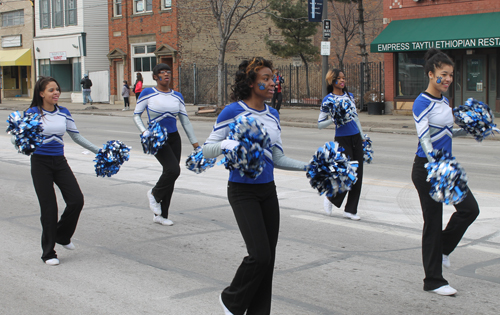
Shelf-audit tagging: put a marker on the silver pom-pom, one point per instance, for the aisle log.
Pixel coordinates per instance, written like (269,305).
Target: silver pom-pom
(330,171)
(197,163)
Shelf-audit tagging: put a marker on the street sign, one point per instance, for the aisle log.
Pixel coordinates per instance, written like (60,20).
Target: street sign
(325,48)
(296,61)
(315,10)
(327,31)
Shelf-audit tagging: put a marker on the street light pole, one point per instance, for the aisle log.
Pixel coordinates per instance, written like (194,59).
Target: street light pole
(324,67)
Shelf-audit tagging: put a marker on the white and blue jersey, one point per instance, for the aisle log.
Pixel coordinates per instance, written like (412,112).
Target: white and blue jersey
(55,124)
(350,128)
(162,107)
(269,118)
(435,117)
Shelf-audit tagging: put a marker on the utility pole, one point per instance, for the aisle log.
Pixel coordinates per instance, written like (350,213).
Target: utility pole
(324,58)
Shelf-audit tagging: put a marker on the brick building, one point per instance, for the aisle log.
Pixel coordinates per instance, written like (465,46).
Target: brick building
(143,33)
(468,31)
(16,58)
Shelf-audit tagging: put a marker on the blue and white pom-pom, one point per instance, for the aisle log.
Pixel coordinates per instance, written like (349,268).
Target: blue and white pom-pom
(447,177)
(330,172)
(341,110)
(27,131)
(109,159)
(248,156)
(197,163)
(367,150)
(476,118)
(153,138)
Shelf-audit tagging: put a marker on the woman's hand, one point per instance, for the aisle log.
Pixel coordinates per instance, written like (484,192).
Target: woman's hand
(195,145)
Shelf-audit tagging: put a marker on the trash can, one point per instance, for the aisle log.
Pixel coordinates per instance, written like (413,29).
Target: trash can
(376,108)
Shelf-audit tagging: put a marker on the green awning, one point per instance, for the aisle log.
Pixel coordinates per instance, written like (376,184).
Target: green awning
(447,32)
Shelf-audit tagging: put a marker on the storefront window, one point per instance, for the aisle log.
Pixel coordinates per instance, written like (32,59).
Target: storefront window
(411,78)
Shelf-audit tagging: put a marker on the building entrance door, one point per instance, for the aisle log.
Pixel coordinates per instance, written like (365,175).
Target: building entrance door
(119,80)
(474,78)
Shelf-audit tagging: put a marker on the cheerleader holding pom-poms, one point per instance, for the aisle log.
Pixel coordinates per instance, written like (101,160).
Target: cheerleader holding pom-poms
(339,105)
(445,182)
(240,132)
(162,139)
(476,118)
(26,131)
(330,171)
(49,167)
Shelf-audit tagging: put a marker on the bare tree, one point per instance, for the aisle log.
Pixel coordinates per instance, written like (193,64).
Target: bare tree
(228,15)
(346,24)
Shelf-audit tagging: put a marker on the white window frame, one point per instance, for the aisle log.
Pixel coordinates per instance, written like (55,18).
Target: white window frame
(166,4)
(12,41)
(45,18)
(56,7)
(68,10)
(117,4)
(13,18)
(146,75)
(143,4)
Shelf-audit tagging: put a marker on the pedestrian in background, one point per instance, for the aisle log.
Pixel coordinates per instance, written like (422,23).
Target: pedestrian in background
(86,85)
(126,95)
(278,96)
(138,85)
(434,121)
(163,105)
(254,201)
(349,136)
(49,167)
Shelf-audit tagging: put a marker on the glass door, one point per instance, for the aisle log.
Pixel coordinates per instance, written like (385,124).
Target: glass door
(475,77)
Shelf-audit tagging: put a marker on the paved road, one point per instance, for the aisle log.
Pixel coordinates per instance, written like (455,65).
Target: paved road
(126,264)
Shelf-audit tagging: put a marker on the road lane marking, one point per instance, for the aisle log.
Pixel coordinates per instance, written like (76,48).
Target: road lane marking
(386,231)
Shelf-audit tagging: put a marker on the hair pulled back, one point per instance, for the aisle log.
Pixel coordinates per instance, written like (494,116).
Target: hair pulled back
(331,77)
(246,76)
(40,86)
(435,59)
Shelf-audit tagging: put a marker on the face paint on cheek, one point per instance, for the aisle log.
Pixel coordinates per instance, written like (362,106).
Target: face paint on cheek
(438,81)
(159,78)
(262,86)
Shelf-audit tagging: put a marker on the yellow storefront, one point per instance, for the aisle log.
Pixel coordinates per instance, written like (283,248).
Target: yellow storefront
(15,72)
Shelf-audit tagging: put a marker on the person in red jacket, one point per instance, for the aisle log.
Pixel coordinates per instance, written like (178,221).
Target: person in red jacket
(138,85)
(278,80)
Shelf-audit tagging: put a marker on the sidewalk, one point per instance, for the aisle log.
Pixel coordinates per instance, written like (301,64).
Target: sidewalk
(290,116)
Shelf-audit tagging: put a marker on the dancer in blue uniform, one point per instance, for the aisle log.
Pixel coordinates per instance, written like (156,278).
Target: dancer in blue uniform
(49,166)
(350,137)
(163,105)
(434,121)
(254,201)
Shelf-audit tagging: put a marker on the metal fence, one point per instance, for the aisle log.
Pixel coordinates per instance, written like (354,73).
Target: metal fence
(302,87)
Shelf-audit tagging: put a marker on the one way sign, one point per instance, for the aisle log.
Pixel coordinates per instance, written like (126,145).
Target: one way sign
(315,10)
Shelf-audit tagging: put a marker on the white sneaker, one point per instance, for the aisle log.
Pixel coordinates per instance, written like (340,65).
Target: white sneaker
(124,109)
(226,311)
(444,290)
(153,205)
(446,261)
(161,220)
(52,262)
(351,216)
(69,246)
(327,206)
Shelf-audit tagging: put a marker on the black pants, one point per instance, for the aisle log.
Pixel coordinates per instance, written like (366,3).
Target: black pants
(256,210)
(278,96)
(169,157)
(353,146)
(45,171)
(126,102)
(435,240)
